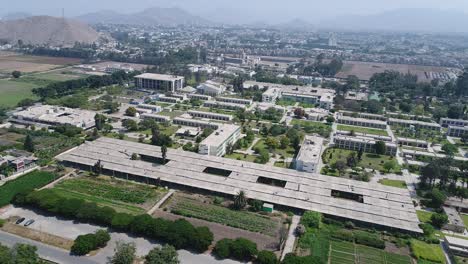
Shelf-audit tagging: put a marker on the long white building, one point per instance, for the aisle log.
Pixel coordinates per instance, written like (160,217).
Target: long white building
(217,143)
(160,82)
(210,115)
(309,155)
(364,143)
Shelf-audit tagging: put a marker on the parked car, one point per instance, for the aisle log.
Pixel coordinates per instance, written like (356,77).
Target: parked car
(29,222)
(19,221)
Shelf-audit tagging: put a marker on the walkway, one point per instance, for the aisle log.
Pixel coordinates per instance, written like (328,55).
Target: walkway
(289,245)
(160,202)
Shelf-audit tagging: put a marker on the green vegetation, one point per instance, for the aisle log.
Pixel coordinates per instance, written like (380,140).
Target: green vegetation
(311,127)
(465,219)
(424,216)
(393,183)
(24,184)
(239,219)
(364,130)
(238,156)
(346,252)
(429,252)
(84,244)
(13,92)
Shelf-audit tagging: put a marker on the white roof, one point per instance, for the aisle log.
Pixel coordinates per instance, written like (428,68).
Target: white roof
(160,77)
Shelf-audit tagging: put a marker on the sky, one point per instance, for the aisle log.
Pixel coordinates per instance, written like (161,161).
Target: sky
(249,10)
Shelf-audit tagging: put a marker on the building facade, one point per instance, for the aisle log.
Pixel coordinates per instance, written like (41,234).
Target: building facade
(159,82)
(217,143)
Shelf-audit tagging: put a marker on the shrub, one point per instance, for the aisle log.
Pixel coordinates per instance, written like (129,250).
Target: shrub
(243,249)
(312,219)
(121,221)
(2,222)
(222,248)
(368,239)
(102,237)
(202,239)
(439,220)
(266,257)
(293,259)
(343,234)
(83,244)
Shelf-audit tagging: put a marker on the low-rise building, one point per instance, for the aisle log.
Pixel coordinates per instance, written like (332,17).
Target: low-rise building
(414,123)
(211,88)
(455,223)
(199,97)
(153,108)
(224,105)
(159,82)
(411,142)
(362,143)
(363,115)
(309,155)
(49,115)
(446,122)
(457,131)
(195,123)
(168,99)
(271,95)
(210,115)
(217,143)
(457,246)
(234,100)
(157,118)
(356,121)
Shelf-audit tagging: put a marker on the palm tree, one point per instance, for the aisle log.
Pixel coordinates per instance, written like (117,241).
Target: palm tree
(240,200)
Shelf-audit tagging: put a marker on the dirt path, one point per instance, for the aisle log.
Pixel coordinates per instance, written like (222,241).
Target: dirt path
(222,231)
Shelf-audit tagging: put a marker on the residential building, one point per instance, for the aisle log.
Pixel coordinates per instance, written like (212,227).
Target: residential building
(210,115)
(217,143)
(362,143)
(157,118)
(309,155)
(49,115)
(159,82)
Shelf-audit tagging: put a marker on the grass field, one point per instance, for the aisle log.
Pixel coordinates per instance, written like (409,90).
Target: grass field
(188,207)
(238,156)
(121,195)
(364,130)
(371,161)
(286,153)
(424,216)
(311,127)
(465,219)
(57,76)
(430,252)
(348,253)
(12,92)
(393,183)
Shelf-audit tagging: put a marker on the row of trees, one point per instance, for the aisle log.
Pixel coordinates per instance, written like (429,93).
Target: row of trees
(19,254)
(180,233)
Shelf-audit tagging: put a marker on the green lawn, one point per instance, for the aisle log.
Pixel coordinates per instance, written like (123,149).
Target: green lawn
(364,130)
(286,153)
(393,183)
(238,156)
(57,76)
(424,216)
(369,160)
(14,91)
(430,252)
(465,219)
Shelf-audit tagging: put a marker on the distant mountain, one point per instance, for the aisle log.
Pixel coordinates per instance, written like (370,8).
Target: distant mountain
(297,25)
(151,16)
(408,20)
(14,16)
(47,30)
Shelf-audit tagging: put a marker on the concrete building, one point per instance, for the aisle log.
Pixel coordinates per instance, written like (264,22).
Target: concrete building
(358,134)
(217,143)
(364,143)
(153,108)
(363,122)
(157,118)
(310,154)
(457,131)
(457,246)
(234,100)
(363,115)
(411,142)
(210,115)
(446,122)
(408,116)
(414,123)
(159,82)
(271,95)
(199,97)
(223,105)
(211,88)
(455,223)
(49,115)
(362,202)
(168,99)
(195,123)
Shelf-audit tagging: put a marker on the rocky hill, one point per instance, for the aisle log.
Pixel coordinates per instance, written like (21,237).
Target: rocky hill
(47,30)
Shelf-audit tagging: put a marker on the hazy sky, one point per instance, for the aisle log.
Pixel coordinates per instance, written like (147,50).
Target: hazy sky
(253,10)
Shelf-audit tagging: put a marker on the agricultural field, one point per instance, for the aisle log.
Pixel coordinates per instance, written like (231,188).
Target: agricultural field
(365,130)
(429,252)
(10,140)
(12,61)
(121,195)
(191,207)
(393,183)
(13,91)
(346,252)
(27,182)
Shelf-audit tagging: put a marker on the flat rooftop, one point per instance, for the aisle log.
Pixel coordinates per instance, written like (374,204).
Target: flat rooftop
(381,205)
(362,120)
(311,149)
(50,114)
(160,77)
(220,135)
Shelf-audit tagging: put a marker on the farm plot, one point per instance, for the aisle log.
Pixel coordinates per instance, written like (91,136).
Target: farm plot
(188,207)
(12,92)
(121,195)
(349,253)
(27,64)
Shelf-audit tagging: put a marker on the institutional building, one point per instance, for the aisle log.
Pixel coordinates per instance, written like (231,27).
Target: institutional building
(217,143)
(199,97)
(157,118)
(362,143)
(223,105)
(234,100)
(363,122)
(49,115)
(363,115)
(446,122)
(211,88)
(457,131)
(153,108)
(411,142)
(159,82)
(362,202)
(414,123)
(455,223)
(210,115)
(271,95)
(195,123)
(309,155)
(457,246)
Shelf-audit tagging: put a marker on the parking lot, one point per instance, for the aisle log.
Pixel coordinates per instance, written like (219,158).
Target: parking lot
(71,229)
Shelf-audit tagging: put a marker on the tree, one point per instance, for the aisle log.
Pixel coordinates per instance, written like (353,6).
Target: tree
(272,143)
(97,168)
(390,165)
(360,153)
(29,144)
(83,244)
(299,112)
(284,142)
(461,87)
(243,249)
(222,248)
(100,120)
(340,166)
(330,119)
(26,102)
(351,160)
(312,219)
(165,255)
(124,253)
(130,125)
(266,257)
(439,220)
(464,138)
(164,153)
(449,149)
(437,198)
(131,111)
(240,200)
(16,74)
(380,148)
(23,253)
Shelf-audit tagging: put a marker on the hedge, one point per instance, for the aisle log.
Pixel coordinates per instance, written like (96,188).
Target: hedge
(180,233)
(266,257)
(343,234)
(239,249)
(369,239)
(84,244)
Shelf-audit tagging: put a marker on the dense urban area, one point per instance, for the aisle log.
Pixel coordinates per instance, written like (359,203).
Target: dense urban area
(234,144)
